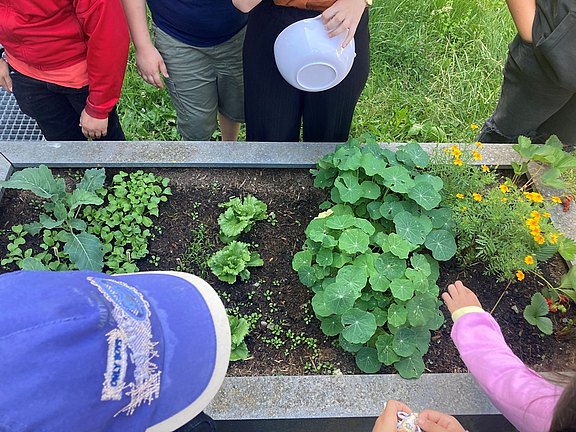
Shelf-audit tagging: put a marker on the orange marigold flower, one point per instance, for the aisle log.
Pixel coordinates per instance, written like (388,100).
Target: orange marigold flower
(458,161)
(478,144)
(485,168)
(474,126)
(531,222)
(504,188)
(556,199)
(476,155)
(553,238)
(536,197)
(538,238)
(529,259)
(534,214)
(503,199)
(520,275)
(459,195)
(477,196)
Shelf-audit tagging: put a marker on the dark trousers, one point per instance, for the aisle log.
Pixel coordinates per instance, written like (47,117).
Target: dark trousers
(200,423)
(274,109)
(57,109)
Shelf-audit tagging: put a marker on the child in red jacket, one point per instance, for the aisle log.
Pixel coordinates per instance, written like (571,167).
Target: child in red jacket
(65,62)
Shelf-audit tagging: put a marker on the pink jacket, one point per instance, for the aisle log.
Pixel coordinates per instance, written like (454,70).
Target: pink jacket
(525,398)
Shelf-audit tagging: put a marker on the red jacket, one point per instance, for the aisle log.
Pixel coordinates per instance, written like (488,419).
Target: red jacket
(52,34)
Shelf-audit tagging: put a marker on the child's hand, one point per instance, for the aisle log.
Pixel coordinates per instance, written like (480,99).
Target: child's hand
(458,296)
(434,421)
(388,420)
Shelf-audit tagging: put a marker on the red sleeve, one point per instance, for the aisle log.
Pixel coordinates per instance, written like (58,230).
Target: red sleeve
(107,41)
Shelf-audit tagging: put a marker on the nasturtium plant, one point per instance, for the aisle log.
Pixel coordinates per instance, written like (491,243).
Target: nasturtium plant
(240,216)
(371,258)
(233,261)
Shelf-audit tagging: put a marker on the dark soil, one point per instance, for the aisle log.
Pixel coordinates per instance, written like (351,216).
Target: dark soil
(287,339)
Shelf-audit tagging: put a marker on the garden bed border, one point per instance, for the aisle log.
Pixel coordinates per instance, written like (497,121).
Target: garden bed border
(287,397)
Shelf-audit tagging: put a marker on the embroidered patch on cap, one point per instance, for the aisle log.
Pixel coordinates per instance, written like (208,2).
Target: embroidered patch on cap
(134,332)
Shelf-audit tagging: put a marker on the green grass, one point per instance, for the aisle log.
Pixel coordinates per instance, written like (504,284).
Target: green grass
(435,69)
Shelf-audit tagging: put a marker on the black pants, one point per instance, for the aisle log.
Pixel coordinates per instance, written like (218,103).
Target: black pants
(537,97)
(200,423)
(274,109)
(57,109)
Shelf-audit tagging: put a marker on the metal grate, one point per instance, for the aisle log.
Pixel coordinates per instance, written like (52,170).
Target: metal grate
(15,125)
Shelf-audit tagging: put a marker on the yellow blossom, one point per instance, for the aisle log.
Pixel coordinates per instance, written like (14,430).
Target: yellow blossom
(478,144)
(504,188)
(476,155)
(531,222)
(539,239)
(553,238)
(535,215)
(536,197)
(458,161)
(546,214)
(485,168)
(477,196)
(520,275)
(529,259)
(459,195)
(474,126)
(556,199)
(503,199)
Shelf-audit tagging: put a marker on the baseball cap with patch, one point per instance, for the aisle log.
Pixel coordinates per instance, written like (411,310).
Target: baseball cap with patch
(86,351)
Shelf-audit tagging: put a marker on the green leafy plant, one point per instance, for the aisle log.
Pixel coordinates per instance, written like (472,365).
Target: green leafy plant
(240,216)
(535,313)
(233,261)
(371,257)
(239,329)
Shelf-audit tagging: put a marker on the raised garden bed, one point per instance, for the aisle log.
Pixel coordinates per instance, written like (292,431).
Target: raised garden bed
(287,340)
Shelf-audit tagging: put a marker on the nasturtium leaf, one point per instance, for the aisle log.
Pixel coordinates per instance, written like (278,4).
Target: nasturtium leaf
(372,164)
(348,187)
(367,360)
(379,282)
(342,209)
(399,247)
(373,209)
(397,315)
(414,153)
(434,181)
(302,258)
(380,239)
(324,178)
(347,158)
(418,279)
(410,367)
(425,195)
(307,275)
(398,179)
(324,258)
(332,325)
(348,346)
(440,217)
(353,277)
(436,322)
(421,309)
(402,289)
(370,190)
(409,228)
(365,226)
(340,222)
(353,240)
(442,244)
(366,261)
(84,250)
(339,260)
(380,315)
(320,305)
(390,266)
(390,209)
(421,264)
(404,343)
(359,325)
(386,353)
(38,180)
(340,298)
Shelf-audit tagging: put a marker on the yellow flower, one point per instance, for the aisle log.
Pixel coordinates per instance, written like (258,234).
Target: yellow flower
(546,214)
(536,197)
(553,238)
(538,238)
(474,126)
(476,155)
(520,275)
(459,196)
(478,144)
(535,215)
(458,161)
(529,259)
(531,222)
(503,199)
(477,197)
(504,188)
(485,168)
(556,199)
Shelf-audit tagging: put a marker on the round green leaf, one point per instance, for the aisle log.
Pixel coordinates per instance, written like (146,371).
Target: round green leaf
(410,367)
(397,178)
(413,152)
(367,360)
(409,228)
(390,266)
(402,289)
(434,181)
(421,309)
(399,247)
(348,346)
(332,325)
(340,298)
(425,195)
(302,258)
(370,190)
(340,222)
(307,275)
(404,343)
(325,257)
(379,282)
(386,353)
(439,217)
(397,315)
(353,277)
(353,240)
(442,244)
(320,305)
(359,325)
(348,187)
(372,164)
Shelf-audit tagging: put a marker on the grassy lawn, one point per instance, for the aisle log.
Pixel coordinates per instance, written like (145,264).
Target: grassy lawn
(435,70)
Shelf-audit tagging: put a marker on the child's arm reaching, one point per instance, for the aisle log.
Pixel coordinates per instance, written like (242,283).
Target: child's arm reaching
(523,13)
(246,5)
(525,398)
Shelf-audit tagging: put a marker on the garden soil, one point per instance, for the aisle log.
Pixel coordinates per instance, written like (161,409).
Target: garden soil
(286,339)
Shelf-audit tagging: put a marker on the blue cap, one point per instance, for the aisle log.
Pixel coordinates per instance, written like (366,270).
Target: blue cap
(86,351)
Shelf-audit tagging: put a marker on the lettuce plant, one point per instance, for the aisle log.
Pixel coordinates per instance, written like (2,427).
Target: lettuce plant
(371,257)
(233,261)
(240,216)
(239,329)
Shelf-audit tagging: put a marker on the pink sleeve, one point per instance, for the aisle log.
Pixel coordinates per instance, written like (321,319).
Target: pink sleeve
(525,398)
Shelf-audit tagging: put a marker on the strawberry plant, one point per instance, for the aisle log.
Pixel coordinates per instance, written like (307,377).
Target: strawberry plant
(371,257)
